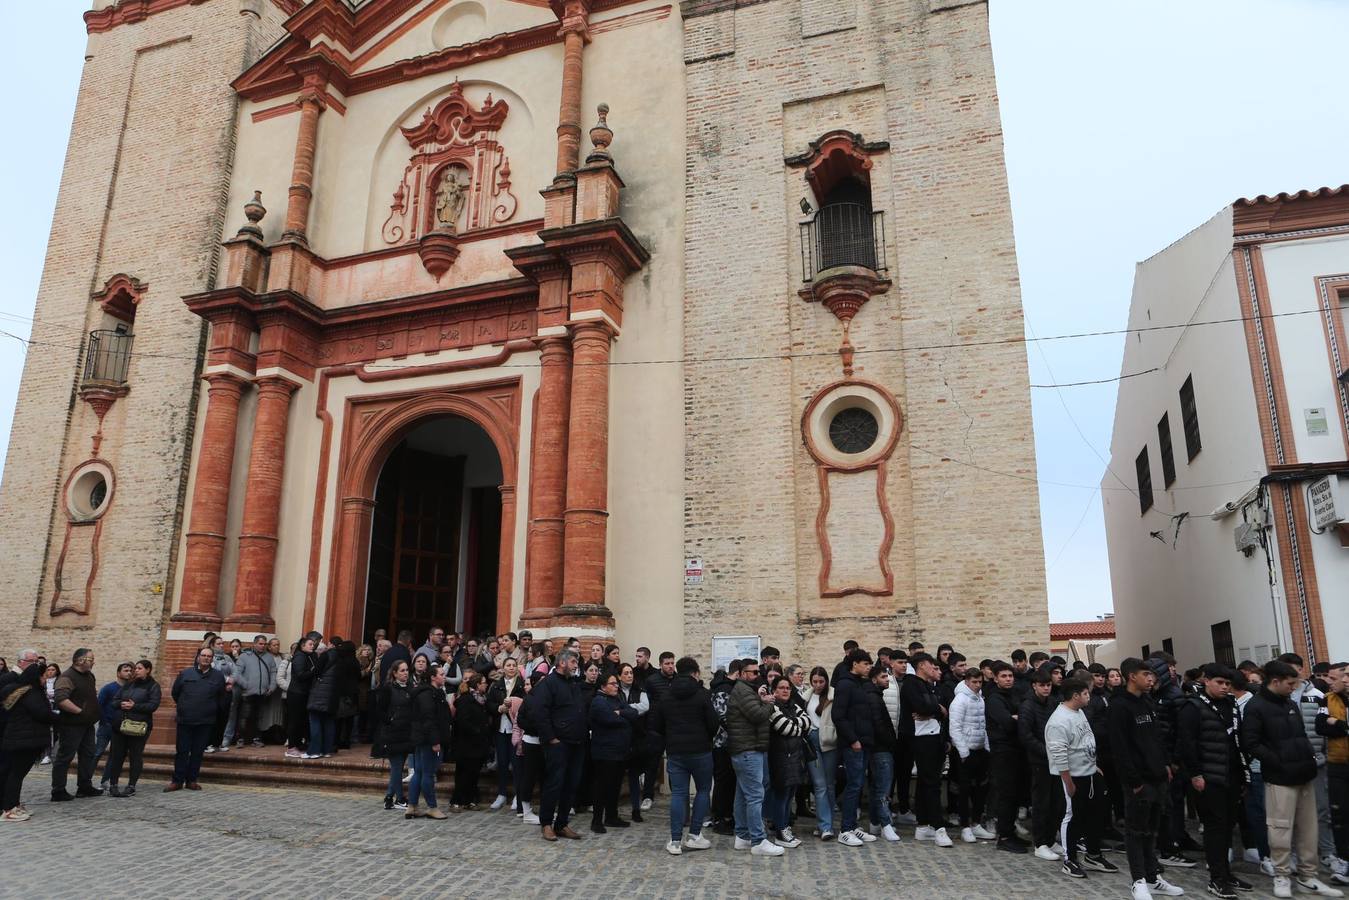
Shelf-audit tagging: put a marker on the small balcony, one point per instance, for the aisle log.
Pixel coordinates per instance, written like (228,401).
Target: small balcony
(842,234)
(107,361)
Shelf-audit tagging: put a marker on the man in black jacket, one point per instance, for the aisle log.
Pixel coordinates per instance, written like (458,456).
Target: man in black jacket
(1140,755)
(559,715)
(723,773)
(1047,801)
(1207,743)
(1272,731)
(1005,755)
(199,694)
(685,724)
(924,725)
(852,720)
(656,687)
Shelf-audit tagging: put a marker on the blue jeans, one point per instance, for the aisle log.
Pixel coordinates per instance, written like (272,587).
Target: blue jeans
(854,768)
(682,766)
(778,806)
(561,775)
(424,781)
(322,733)
(396,763)
(751,783)
(505,761)
(822,780)
(882,767)
(1255,813)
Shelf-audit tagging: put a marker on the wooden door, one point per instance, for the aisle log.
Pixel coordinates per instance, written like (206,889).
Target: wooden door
(426,542)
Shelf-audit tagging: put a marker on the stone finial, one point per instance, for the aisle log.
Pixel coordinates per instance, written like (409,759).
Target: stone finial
(601,136)
(254,211)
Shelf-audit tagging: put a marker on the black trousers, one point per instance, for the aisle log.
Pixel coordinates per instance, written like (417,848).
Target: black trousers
(973,780)
(607,779)
(77,743)
(249,709)
(1114,790)
(653,769)
(903,773)
(1218,810)
(723,785)
(297,719)
(20,763)
(120,748)
(466,775)
(1084,815)
(1005,780)
(562,765)
(1337,775)
(1143,811)
(929,752)
(953,764)
(528,772)
(1046,804)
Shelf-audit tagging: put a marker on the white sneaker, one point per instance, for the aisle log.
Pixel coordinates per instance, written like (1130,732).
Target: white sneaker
(1267,867)
(1058,849)
(696,842)
(1283,886)
(925,833)
(786,839)
(864,837)
(983,833)
(1251,855)
(499,802)
(224,748)
(1162,886)
(408,776)
(1336,865)
(646,804)
(1022,831)
(967,835)
(530,819)
(1141,891)
(873,828)
(742,843)
(766,848)
(942,839)
(889,833)
(1045,852)
(210,748)
(849,839)
(907,818)
(1317,886)
(673,848)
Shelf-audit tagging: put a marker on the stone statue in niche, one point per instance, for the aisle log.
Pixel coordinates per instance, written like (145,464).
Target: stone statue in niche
(451,196)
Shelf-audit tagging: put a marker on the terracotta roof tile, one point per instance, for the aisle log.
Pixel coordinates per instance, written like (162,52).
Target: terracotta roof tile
(1094,629)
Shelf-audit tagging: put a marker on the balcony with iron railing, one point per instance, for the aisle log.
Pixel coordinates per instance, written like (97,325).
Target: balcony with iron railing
(107,360)
(842,235)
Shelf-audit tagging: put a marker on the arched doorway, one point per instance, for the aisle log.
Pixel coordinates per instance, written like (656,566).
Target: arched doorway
(435,536)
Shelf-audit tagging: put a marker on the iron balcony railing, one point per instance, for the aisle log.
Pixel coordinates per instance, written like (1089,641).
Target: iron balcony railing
(842,234)
(108,358)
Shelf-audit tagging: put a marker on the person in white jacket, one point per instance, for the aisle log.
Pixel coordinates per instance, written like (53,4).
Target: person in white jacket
(1071,747)
(969,734)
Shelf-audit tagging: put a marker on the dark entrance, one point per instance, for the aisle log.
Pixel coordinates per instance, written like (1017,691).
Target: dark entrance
(435,538)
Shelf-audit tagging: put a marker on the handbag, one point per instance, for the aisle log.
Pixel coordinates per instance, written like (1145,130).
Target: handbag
(133,728)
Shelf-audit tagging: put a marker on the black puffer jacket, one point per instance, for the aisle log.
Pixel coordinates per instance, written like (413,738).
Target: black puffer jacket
(918,697)
(1272,732)
(884,734)
(303,668)
(1166,699)
(657,686)
(686,722)
(611,721)
(556,710)
(323,692)
(852,713)
(145,694)
(1098,711)
(1206,741)
(1032,719)
(395,719)
(29,718)
(472,728)
(1000,711)
(430,716)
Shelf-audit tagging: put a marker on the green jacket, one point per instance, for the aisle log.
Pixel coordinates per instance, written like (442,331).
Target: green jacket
(747,720)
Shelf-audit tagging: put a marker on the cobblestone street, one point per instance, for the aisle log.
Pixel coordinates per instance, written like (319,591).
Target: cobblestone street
(266,843)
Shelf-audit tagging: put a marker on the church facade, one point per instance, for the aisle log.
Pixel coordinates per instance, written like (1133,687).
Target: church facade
(630,319)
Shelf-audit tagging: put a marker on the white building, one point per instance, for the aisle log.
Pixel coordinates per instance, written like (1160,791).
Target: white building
(1229,470)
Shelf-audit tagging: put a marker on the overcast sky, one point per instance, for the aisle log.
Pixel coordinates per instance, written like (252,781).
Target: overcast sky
(1127,122)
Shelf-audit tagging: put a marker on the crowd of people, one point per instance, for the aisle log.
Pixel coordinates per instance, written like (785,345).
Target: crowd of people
(1064,762)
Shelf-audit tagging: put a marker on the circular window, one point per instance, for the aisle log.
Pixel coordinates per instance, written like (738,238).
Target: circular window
(853,430)
(89,490)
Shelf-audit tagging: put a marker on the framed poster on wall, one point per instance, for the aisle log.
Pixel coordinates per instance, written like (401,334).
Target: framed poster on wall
(737,646)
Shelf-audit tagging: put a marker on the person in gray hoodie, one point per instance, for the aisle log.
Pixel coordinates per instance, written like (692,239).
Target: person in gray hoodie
(254,683)
(1070,745)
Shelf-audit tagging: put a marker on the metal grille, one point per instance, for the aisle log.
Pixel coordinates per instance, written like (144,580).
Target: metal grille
(108,358)
(843,234)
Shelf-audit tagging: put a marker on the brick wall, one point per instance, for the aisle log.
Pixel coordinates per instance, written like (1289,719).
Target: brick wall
(142,192)
(763,79)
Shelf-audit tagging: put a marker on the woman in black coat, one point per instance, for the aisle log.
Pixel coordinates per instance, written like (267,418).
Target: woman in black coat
(590,685)
(348,688)
(611,723)
(472,736)
(632,694)
(430,731)
(303,663)
(322,706)
(27,733)
(136,701)
(393,709)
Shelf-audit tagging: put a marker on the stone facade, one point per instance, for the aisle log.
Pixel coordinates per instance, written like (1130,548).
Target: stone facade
(622,314)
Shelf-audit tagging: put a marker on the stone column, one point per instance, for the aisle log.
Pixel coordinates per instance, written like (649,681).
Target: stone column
(575,34)
(262,507)
(548,482)
(587,512)
(302,172)
(506,559)
(199,601)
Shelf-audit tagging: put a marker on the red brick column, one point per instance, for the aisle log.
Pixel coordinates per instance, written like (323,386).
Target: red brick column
(200,599)
(262,507)
(506,568)
(302,172)
(588,467)
(548,482)
(575,33)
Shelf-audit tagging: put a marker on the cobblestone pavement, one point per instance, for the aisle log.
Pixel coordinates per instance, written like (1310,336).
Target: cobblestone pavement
(267,843)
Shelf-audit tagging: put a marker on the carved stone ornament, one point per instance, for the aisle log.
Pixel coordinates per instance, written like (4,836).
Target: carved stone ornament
(455,143)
